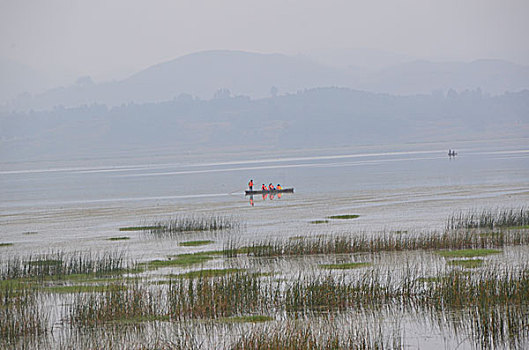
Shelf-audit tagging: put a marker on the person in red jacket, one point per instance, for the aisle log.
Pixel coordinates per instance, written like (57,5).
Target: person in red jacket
(264,188)
(250,185)
(271,187)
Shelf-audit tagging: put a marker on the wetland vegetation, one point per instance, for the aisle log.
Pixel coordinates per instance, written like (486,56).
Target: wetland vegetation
(338,291)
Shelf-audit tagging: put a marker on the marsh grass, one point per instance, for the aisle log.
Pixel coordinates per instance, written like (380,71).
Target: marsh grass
(344,217)
(383,242)
(293,336)
(468,264)
(174,227)
(225,296)
(468,253)
(116,303)
(5,245)
(20,314)
(345,266)
(195,243)
(489,218)
(59,265)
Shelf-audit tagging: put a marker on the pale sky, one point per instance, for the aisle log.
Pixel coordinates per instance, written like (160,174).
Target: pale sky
(110,39)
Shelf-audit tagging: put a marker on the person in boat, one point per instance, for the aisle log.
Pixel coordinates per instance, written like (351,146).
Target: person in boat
(271,187)
(264,188)
(250,185)
(278,187)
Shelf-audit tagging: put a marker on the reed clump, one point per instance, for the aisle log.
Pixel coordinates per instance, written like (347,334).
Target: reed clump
(364,243)
(20,314)
(60,265)
(184,224)
(293,336)
(489,218)
(117,303)
(224,296)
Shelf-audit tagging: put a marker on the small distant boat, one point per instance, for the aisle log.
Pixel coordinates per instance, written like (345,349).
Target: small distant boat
(451,153)
(284,190)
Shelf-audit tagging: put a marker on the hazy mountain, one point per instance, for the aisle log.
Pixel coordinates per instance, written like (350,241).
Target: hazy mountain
(313,118)
(359,59)
(260,75)
(201,74)
(17,79)
(491,76)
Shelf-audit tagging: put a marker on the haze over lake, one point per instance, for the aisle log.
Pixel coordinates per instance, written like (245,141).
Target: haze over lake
(129,132)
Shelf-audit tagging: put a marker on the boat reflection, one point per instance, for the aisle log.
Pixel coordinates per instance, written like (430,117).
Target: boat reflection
(265,196)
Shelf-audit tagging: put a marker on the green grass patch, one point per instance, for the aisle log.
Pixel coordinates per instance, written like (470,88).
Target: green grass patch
(344,266)
(400,232)
(468,253)
(347,216)
(521,227)
(107,278)
(207,273)
(468,264)
(6,244)
(140,228)
(124,238)
(319,221)
(245,319)
(195,243)
(179,260)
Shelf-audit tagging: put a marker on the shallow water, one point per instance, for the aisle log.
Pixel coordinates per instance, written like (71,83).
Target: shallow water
(72,205)
(77,204)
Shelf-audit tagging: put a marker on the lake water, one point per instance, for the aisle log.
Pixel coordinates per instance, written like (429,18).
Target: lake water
(77,204)
(72,205)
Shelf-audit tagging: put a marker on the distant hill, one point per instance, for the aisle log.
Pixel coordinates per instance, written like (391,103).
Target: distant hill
(491,76)
(17,78)
(201,74)
(257,75)
(324,117)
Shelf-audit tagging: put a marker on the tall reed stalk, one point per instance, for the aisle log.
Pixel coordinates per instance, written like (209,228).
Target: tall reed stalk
(488,218)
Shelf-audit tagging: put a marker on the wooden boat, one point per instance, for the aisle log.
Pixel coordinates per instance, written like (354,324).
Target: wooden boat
(284,190)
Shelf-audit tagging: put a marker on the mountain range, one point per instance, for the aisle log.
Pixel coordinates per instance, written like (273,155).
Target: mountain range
(214,73)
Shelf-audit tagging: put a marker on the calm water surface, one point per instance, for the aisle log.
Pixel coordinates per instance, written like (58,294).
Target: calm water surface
(399,187)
